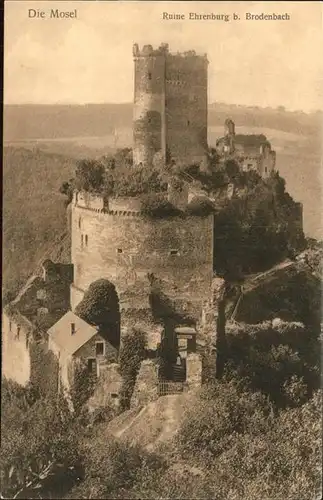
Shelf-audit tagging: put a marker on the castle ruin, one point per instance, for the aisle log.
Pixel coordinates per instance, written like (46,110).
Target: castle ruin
(170,106)
(154,263)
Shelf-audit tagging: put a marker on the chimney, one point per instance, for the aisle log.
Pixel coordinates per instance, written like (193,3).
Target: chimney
(72,328)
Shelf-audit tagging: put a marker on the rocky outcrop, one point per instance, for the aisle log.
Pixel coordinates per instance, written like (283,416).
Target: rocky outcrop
(153,425)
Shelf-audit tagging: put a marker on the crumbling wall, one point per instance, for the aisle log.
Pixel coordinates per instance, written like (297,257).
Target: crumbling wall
(193,370)
(15,349)
(149,103)
(186,107)
(145,389)
(107,390)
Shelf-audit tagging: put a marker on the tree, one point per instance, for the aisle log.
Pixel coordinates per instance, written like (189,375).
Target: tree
(89,175)
(100,307)
(37,434)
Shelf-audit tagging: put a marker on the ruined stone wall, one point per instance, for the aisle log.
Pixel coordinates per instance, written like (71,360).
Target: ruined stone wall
(178,251)
(194,370)
(145,389)
(186,108)
(149,103)
(15,350)
(107,389)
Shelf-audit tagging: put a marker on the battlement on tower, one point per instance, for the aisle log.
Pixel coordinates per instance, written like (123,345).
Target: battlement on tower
(170,106)
(163,50)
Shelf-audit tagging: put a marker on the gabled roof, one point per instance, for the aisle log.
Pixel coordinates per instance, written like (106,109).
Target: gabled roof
(61,335)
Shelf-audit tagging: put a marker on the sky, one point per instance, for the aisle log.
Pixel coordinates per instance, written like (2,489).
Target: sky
(89,59)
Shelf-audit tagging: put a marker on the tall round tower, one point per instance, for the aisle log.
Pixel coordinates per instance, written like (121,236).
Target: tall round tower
(149,136)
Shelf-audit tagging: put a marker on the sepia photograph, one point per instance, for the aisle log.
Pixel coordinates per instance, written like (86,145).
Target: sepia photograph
(162,250)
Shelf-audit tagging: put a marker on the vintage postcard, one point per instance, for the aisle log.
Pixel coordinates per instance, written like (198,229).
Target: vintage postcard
(162,250)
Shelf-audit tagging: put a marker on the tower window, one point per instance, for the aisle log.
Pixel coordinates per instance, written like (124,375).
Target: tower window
(80,223)
(82,241)
(72,328)
(18,332)
(188,123)
(149,75)
(86,240)
(10,326)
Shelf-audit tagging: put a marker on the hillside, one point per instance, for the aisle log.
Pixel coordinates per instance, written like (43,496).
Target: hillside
(34,214)
(96,129)
(26,122)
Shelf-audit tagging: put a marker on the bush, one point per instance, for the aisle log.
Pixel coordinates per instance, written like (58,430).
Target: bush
(36,434)
(89,176)
(100,307)
(156,205)
(222,411)
(200,206)
(114,469)
(283,363)
(82,387)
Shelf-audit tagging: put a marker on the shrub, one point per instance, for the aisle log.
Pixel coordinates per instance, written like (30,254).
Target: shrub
(222,411)
(100,304)
(156,205)
(89,176)
(132,353)
(114,469)
(36,435)
(200,206)
(82,387)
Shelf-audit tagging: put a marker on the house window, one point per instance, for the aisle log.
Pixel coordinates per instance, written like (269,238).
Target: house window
(265,170)
(91,365)
(174,252)
(114,395)
(149,76)
(82,241)
(10,326)
(86,240)
(18,332)
(99,348)
(119,250)
(188,123)
(72,328)
(80,223)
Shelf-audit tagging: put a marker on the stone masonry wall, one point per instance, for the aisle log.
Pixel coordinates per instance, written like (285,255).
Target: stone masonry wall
(107,388)
(15,350)
(149,102)
(178,251)
(186,108)
(194,370)
(88,350)
(145,389)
